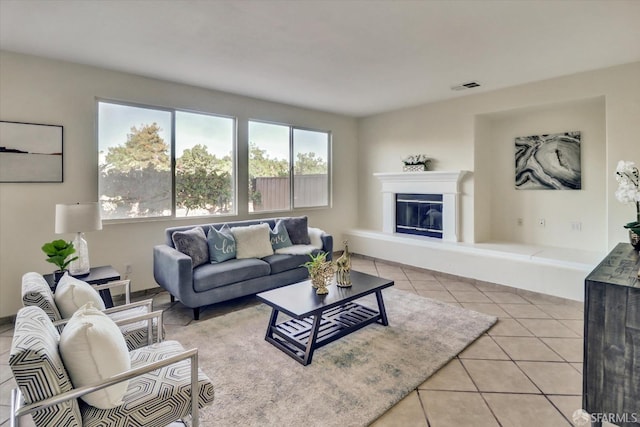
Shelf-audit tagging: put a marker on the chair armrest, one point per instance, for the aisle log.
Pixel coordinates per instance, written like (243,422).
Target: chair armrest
(148,317)
(116,283)
(124,376)
(146,302)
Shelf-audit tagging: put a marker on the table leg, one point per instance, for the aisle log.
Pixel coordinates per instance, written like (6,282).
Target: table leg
(311,344)
(272,323)
(381,309)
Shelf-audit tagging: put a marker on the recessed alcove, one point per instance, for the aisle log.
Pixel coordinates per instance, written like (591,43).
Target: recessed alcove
(570,219)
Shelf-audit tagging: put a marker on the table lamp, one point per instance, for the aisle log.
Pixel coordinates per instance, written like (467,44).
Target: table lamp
(77,219)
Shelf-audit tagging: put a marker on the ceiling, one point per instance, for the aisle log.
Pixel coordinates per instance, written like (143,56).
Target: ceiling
(353,57)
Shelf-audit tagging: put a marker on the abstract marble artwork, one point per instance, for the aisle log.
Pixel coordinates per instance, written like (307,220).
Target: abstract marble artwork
(548,162)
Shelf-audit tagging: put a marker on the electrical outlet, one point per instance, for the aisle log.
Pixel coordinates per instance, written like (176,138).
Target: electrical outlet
(128,269)
(542,222)
(519,221)
(576,226)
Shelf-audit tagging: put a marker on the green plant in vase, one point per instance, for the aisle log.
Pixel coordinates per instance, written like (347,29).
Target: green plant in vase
(320,272)
(58,253)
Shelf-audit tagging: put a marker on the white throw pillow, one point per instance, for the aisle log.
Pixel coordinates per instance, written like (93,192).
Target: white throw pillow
(71,294)
(253,241)
(93,349)
(315,235)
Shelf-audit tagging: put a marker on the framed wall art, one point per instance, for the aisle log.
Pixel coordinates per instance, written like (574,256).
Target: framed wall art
(30,152)
(548,162)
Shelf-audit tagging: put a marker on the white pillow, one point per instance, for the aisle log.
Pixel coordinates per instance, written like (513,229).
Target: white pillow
(71,294)
(315,235)
(93,349)
(253,241)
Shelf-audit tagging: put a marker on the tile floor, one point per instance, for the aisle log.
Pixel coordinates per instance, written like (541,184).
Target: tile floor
(525,371)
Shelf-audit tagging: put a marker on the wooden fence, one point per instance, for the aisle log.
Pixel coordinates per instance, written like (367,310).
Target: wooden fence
(310,190)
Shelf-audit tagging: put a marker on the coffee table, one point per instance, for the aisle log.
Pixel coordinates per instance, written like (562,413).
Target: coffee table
(317,320)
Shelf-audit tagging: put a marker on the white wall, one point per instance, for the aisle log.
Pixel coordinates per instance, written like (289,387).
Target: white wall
(464,133)
(559,209)
(39,90)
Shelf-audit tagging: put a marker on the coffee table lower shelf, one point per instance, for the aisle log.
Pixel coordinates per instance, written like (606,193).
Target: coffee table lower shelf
(300,337)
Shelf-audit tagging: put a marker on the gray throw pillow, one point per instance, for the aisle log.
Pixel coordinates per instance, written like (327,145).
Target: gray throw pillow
(298,230)
(192,242)
(222,245)
(279,236)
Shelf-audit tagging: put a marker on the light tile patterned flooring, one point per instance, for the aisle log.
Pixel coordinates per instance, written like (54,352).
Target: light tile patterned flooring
(525,371)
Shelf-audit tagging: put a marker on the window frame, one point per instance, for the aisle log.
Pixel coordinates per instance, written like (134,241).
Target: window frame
(292,128)
(173,160)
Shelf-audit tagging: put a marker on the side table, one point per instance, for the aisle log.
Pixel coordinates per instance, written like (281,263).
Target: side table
(96,276)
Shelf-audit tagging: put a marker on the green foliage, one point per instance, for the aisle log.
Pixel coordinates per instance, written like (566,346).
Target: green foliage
(316,261)
(261,165)
(144,192)
(144,148)
(57,253)
(309,164)
(203,181)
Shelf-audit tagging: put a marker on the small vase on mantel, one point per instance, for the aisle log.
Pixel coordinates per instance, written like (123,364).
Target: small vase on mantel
(634,239)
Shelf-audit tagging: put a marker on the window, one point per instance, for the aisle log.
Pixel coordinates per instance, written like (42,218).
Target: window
(156,162)
(273,149)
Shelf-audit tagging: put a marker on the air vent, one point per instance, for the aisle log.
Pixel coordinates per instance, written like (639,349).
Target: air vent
(467,85)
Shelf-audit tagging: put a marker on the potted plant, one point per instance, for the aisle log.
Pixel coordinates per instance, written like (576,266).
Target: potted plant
(320,272)
(58,253)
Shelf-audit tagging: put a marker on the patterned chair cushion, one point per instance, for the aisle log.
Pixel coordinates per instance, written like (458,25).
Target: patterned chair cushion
(157,398)
(38,369)
(36,291)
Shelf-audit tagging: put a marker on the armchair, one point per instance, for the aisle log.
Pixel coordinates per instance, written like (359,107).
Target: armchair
(160,381)
(36,292)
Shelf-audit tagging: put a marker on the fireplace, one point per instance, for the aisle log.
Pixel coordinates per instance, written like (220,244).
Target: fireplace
(423,204)
(419,214)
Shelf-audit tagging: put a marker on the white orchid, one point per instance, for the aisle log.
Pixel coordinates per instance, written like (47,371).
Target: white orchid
(416,159)
(629,189)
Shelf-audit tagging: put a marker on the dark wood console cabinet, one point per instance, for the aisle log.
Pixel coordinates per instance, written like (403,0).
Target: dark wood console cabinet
(611,371)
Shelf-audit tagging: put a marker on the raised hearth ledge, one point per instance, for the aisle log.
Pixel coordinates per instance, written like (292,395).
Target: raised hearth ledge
(552,271)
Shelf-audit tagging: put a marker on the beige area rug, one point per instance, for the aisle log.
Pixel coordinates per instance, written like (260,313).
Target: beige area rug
(350,382)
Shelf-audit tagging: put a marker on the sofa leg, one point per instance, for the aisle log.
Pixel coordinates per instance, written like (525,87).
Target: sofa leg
(173,299)
(196,313)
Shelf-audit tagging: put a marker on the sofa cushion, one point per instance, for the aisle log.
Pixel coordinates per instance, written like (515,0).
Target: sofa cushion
(72,293)
(279,236)
(281,262)
(93,349)
(211,276)
(298,230)
(252,241)
(222,245)
(192,242)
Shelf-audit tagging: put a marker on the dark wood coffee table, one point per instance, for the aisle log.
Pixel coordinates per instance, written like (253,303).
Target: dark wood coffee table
(320,319)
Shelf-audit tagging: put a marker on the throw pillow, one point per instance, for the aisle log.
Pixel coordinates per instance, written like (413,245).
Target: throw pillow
(222,245)
(252,241)
(93,349)
(279,236)
(315,236)
(72,293)
(192,242)
(297,229)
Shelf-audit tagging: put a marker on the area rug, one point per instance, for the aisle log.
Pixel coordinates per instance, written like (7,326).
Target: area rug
(350,382)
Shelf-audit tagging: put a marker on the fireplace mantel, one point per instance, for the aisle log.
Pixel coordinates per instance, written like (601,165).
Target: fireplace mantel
(428,182)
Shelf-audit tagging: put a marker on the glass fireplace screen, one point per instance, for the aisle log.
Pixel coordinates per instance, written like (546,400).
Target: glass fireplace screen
(419,214)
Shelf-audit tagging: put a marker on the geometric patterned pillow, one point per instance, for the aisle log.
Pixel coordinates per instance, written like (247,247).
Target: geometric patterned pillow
(36,291)
(38,368)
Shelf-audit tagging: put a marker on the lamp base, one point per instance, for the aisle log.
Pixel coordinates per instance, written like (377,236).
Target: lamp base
(81,265)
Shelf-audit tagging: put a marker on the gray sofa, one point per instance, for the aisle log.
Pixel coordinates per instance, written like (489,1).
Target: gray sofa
(213,282)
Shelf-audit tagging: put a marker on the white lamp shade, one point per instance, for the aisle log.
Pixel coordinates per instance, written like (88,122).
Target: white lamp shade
(78,218)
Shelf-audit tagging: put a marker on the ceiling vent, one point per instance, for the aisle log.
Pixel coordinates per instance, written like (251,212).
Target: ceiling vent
(465,86)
